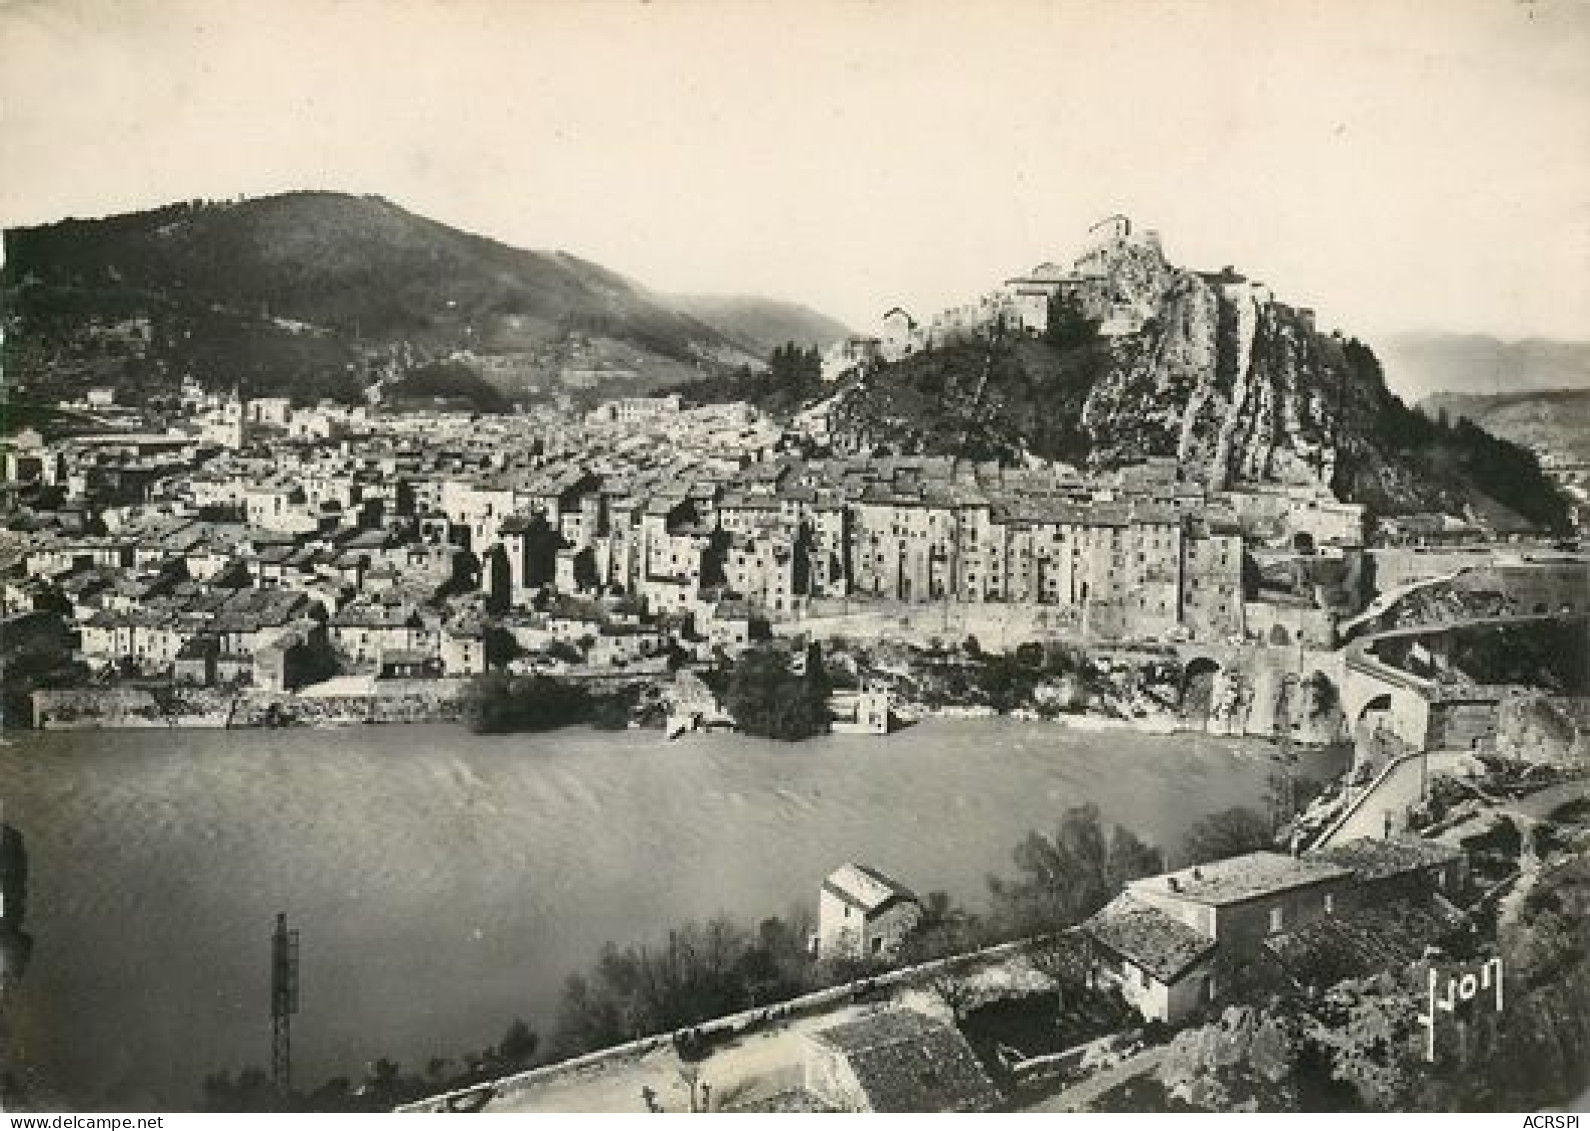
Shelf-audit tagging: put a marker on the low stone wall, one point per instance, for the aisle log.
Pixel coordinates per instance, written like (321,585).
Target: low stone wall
(1315,628)
(93,708)
(396,701)
(1039,1068)
(997,626)
(736,1024)
(400,701)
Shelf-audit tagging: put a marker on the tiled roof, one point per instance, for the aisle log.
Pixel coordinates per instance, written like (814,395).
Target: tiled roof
(864,887)
(905,1061)
(1164,947)
(372,615)
(1386,936)
(1242,878)
(791,1100)
(1375,859)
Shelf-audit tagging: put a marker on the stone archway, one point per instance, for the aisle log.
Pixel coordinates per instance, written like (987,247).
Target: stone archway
(1375,741)
(1198,685)
(1378,705)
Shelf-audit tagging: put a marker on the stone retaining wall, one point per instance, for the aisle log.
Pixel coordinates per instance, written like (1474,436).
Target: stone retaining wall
(88,708)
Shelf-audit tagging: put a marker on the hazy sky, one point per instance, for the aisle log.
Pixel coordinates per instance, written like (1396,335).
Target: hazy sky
(1395,165)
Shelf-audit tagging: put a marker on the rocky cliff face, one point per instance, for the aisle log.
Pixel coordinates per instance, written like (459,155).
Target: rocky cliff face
(1220,375)
(1241,388)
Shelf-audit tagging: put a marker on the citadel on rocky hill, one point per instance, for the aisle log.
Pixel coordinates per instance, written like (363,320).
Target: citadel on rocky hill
(1207,367)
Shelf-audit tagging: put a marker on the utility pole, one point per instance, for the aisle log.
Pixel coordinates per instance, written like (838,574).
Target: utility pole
(1285,801)
(284,1002)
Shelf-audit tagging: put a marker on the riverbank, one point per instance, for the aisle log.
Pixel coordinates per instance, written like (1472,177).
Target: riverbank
(443,702)
(1244,694)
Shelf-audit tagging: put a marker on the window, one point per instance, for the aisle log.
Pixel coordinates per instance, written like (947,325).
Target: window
(877,944)
(1276,919)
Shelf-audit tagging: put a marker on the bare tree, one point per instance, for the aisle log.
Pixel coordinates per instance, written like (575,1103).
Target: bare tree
(953,992)
(1064,962)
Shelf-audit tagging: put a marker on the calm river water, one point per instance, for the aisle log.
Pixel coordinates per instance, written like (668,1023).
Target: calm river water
(446,883)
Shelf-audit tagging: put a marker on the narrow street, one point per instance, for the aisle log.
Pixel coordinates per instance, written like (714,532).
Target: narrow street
(1079,1097)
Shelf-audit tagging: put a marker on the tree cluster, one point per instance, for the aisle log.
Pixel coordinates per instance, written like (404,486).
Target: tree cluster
(498,703)
(385,1084)
(1230,832)
(766,697)
(1448,461)
(792,379)
(1007,681)
(1551,655)
(702,971)
(451,381)
(1064,878)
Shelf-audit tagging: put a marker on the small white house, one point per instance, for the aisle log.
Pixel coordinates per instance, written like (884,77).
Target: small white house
(862,913)
(859,712)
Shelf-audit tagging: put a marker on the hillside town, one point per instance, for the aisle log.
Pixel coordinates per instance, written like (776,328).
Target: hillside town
(322,541)
(823,558)
(236,562)
(254,543)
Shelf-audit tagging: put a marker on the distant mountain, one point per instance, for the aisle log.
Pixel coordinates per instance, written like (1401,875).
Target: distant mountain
(296,291)
(759,325)
(1554,422)
(1419,364)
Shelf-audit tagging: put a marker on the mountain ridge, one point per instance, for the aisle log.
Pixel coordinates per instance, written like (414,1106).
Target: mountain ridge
(761,324)
(1421,363)
(299,286)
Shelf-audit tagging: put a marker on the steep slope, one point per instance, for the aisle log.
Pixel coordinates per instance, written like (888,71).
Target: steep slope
(979,401)
(1553,422)
(347,275)
(1227,381)
(760,325)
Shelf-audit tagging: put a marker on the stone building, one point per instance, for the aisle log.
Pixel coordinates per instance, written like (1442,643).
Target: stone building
(860,712)
(899,335)
(862,913)
(1170,943)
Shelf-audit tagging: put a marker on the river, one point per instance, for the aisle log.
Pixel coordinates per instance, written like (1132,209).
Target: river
(446,883)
